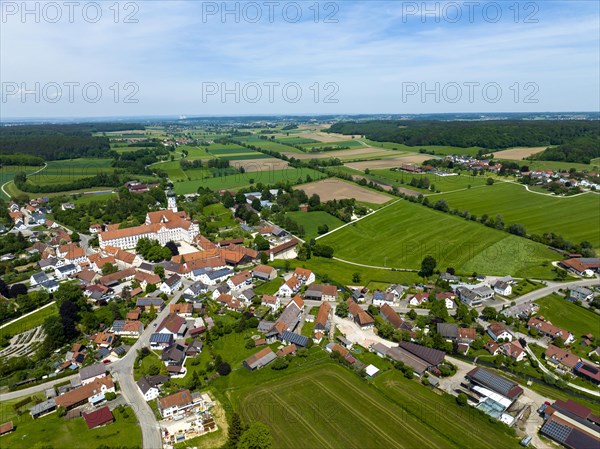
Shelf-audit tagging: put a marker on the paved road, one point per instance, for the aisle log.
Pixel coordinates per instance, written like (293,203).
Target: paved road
(552,287)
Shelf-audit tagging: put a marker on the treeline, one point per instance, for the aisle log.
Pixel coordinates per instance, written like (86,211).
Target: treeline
(582,150)
(130,209)
(20,159)
(100,180)
(53,142)
(486,134)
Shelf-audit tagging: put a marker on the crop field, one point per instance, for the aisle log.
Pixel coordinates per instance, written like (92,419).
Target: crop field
(312,220)
(569,316)
(195,152)
(391,162)
(336,189)
(518,153)
(347,155)
(572,217)
(260,164)
(342,143)
(239,180)
(402,234)
(65,171)
(274,146)
(329,407)
(8,173)
(295,140)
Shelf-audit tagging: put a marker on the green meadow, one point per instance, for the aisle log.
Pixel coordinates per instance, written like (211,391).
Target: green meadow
(402,234)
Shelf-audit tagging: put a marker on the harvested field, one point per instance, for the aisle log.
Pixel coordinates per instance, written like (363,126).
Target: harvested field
(256,165)
(518,153)
(326,137)
(390,162)
(330,189)
(359,153)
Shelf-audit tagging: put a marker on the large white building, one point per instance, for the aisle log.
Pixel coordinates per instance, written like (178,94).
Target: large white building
(163,225)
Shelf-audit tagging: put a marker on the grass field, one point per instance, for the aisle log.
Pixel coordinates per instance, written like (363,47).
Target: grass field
(60,433)
(438,150)
(30,321)
(312,220)
(569,316)
(240,180)
(298,140)
(569,216)
(274,146)
(65,171)
(333,408)
(342,144)
(342,273)
(402,234)
(8,173)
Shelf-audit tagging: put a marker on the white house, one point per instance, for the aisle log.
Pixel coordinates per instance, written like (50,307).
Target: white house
(38,278)
(289,287)
(503,288)
(271,301)
(171,284)
(239,281)
(499,331)
(65,271)
(380,298)
(149,392)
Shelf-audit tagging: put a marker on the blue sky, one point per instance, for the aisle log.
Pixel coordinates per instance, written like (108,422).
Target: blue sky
(373,57)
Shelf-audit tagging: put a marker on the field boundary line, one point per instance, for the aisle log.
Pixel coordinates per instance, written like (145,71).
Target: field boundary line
(358,219)
(26,315)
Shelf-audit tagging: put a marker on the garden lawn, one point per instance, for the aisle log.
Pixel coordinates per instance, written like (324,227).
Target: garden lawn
(403,234)
(60,433)
(576,319)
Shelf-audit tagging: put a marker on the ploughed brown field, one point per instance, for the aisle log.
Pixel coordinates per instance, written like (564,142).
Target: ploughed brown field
(335,189)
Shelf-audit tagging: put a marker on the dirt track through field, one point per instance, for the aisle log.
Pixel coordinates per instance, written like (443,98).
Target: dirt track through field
(330,189)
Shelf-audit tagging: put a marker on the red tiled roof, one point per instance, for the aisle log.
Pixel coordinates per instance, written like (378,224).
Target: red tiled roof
(98,417)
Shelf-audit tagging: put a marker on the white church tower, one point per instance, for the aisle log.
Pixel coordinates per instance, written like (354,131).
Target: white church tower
(171,201)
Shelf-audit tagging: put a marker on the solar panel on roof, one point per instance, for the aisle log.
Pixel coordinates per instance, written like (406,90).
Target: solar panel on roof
(493,381)
(556,431)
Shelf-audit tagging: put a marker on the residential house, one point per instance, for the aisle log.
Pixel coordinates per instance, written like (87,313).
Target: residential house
(98,418)
(503,288)
(171,284)
(447,297)
(321,292)
(239,281)
(104,339)
(397,290)
(264,272)
(306,277)
(197,288)
(271,301)
(173,324)
(499,331)
(161,340)
(449,278)
(129,328)
(550,330)
(580,294)
(260,359)
(65,271)
(288,337)
(562,358)
(222,289)
(213,277)
(390,315)
(50,286)
(418,298)
(150,386)
(380,298)
(92,392)
(174,359)
(289,287)
(38,278)
(182,309)
(71,253)
(448,330)
(362,318)
(466,335)
(175,404)
(147,303)
(322,320)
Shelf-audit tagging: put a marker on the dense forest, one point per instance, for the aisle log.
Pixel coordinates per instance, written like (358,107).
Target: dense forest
(581,150)
(485,134)
(53,142)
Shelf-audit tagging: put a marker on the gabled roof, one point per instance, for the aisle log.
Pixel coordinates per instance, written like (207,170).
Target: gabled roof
(430,355)
(98,417)
(495,382)
(179,399)
(391,316)
(172,323)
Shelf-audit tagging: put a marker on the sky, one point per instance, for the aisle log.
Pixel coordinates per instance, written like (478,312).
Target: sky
(165,58)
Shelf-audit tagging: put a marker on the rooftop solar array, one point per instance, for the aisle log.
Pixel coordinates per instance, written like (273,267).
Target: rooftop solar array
(493,381)
(556,431)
